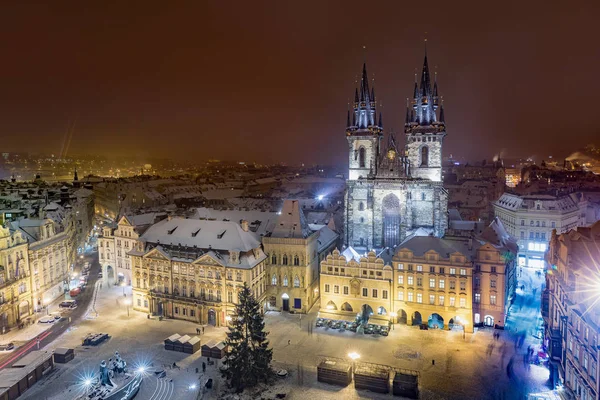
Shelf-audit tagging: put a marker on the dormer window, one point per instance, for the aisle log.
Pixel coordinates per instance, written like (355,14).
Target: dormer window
(220,235)
(170,231)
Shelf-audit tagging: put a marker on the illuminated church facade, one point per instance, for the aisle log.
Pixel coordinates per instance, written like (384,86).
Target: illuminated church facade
(392,193)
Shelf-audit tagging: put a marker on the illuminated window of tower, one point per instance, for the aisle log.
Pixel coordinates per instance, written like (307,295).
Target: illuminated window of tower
(361,157)
(424,156)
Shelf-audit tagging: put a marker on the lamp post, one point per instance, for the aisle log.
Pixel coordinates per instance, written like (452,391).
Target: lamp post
(353,356)
(127,303)
(393,316)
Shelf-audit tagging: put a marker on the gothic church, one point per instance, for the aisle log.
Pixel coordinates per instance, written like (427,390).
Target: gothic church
(393,193)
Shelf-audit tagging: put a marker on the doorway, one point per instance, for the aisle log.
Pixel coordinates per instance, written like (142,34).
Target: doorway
(212,317)
(286,302)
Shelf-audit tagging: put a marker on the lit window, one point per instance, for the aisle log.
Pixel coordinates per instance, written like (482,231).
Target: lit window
(400,279)
(419,268)
(441,300)
(410,296)
(452,271)
(463,271)
(419,298)
(452,301)
(401,296)
(410,280)
(493,299)
(462,302)
(432,299)
(400,266)
(442,284)
(432,283)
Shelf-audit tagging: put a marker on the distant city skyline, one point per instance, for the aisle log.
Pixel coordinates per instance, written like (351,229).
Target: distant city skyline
(269,87)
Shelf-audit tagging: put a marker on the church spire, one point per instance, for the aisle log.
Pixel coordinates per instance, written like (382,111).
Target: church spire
(380,124)
(348,119)
(407,120)
(442,118)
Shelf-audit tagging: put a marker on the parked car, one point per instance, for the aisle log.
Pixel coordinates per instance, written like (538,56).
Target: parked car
(376,329)
(369,329)
(69,304)
(385,330)
(7,347)
(48,319)
(336,325)
(320,322)
(353,327)
(423,327)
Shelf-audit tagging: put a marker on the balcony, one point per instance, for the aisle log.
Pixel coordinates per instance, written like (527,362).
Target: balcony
(196,300)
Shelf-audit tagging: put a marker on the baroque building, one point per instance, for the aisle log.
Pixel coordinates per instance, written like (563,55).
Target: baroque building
(48,255)
(446,283)
(294,251)
(392,192)
(16,302)
(570,310)
(193,269)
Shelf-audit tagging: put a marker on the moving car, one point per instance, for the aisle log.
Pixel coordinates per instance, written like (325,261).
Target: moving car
(48,319)
(70,304)
(7,347)
(75,292)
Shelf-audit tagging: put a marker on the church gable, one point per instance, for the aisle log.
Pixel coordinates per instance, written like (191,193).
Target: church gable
(208,259)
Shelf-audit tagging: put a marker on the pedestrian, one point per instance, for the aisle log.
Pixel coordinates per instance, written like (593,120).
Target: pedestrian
(203,330)
(203,367)
(432,362)
(289,341)
(197,331)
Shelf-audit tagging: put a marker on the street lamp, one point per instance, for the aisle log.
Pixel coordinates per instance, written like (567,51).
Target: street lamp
(393,316)
(353,356)
(127,303)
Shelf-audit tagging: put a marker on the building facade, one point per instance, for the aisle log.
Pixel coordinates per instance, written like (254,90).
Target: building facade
(391,192)
(115,243)
(531,220)
(49,262)
(570,310)
(447,283)
(16,302)
(193,269)
(294,251)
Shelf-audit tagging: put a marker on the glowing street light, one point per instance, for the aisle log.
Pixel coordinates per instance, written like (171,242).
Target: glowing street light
(393,316)
(353,356)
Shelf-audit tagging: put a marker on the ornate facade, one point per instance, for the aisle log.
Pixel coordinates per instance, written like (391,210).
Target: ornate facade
(391,192)
(293,260)
(16,302)
(193,269)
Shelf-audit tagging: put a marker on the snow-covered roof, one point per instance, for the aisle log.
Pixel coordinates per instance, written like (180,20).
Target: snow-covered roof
(260,222)
(350,254)
(420,245)
(291,223)
(326,238)
(218,235)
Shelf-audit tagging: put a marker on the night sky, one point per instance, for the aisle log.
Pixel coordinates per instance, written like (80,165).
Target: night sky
(270,81)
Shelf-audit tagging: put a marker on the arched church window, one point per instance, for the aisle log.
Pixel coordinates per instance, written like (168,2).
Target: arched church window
(285,280)
(273,259)
(361,157)
(296,260)
(274,280)
(424,156)
(361,206)
(296,281)
(284,260)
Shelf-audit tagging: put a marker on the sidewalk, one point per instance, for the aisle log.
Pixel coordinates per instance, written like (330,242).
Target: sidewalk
(31,331)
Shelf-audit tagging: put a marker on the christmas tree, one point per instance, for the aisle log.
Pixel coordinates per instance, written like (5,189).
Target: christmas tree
(248,359)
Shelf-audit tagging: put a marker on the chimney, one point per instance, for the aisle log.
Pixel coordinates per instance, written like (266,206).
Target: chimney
(470,244)
(244,225)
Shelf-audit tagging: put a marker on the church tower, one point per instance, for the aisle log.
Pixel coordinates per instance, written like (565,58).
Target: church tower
(363,131)
(424,131)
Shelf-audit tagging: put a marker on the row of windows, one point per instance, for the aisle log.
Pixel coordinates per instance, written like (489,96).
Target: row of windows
(284,260)
(477,299)
(432,269)
(534,235)
(538,223)
(365,291)
(285,281)
(412,297)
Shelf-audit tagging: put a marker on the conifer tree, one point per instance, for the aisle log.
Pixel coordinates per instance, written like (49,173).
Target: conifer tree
(248,359)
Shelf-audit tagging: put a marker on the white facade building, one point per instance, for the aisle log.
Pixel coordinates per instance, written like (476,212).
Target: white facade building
(531,219)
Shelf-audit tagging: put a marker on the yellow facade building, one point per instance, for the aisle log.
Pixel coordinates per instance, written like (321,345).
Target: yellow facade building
(445,283)
(193,269)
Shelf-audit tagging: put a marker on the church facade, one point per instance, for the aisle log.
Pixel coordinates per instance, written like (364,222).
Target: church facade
(391,192)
